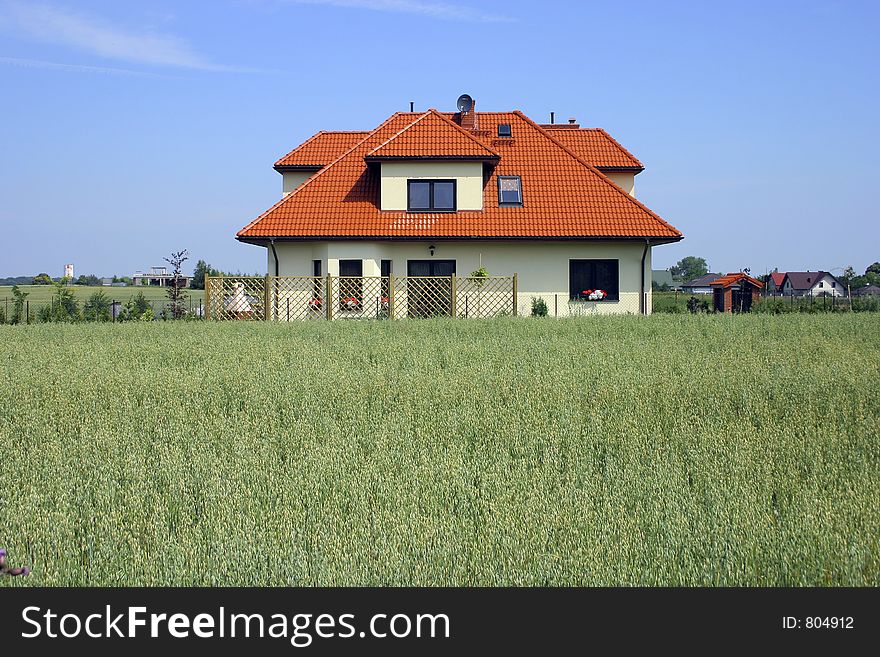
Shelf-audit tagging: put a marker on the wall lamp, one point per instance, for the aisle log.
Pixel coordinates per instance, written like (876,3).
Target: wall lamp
(431,249)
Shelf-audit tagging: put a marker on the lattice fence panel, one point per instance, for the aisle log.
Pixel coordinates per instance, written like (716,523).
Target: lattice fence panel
(478,297)
(235,297)
(421,297)
(359,297)
(296,298)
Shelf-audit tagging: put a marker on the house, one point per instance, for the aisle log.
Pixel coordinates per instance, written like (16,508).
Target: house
(700,284)
(867,291)
(437,194)
(661,277)
(735,292)
(811,283)
(774,282)
(158,276)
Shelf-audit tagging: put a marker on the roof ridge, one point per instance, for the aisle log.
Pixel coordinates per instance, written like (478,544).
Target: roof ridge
(311,179)
(433,112)
(608,136)
(466,133)
(307,141)
(400,132)
(594,170)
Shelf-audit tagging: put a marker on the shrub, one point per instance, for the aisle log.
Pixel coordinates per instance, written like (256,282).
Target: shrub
(97,308)
(539,307)
(135,308)
(18,305)
(63,306)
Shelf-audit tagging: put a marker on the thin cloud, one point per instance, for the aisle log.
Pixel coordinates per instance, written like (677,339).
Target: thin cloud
(98,37)
(75,68)
(437,10)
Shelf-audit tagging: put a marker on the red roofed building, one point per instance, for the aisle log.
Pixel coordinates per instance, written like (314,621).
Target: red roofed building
(735,292)
(437,193)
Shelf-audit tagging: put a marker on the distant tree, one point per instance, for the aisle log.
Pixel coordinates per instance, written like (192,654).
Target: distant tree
(42,279)
(97,307)
(87,279)
(875,268)
(847,276)
(689,268)
(202,269)
(176,295)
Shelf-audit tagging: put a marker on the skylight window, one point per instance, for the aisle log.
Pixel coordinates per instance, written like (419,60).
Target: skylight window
(509,190)
(504,130)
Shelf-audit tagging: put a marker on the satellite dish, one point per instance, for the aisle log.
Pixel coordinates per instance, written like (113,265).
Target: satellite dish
(464,103)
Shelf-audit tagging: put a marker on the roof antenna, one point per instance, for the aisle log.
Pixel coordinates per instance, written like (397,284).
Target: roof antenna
(552,118)
(412,106)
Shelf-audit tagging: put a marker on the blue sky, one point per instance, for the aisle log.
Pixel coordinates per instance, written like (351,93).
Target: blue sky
(129,130)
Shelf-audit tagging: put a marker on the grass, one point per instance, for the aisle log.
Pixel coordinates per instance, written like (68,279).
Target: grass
(670,450)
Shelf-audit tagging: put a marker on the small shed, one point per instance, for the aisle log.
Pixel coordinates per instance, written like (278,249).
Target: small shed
(736,292)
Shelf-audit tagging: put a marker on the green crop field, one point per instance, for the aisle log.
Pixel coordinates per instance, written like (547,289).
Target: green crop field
(668,450)
(41,295)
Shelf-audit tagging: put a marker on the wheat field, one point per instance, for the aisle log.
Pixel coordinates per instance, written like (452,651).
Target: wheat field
(667,450)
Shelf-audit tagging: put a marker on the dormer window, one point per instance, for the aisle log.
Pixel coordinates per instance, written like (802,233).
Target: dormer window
(509,190)
(430,196)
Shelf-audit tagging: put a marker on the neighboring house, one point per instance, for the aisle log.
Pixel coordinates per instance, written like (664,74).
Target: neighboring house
(158,276)
(438,193)
(106,282)
(700,285)
(774,282)
(663,277)
(867,291)
(811,283)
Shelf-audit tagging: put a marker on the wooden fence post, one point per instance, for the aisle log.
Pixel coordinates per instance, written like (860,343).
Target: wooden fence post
(390,296)
(328,293)
(453,302)
(515,294)
(266,313)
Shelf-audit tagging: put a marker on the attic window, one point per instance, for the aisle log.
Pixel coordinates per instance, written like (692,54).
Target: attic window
(430,196)
(504,130)
(509,190)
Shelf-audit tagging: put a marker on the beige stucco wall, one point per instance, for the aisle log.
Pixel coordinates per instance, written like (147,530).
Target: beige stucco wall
(626,181)
(293,179)
(542,267)
(468,177)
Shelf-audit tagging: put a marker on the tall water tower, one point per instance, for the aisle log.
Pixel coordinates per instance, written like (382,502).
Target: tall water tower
(68,271)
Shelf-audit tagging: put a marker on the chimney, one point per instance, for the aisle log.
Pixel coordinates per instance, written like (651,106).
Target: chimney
(572,120)
(552,118)
(469,119)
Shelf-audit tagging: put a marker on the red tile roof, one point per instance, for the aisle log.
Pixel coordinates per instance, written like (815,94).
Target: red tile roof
(564,197)
(321,149)
(735,277)
(596,147)
(432,136)
(777,277)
